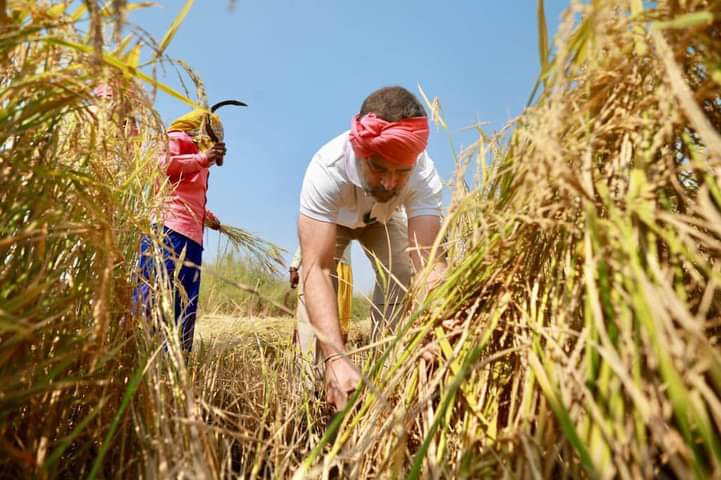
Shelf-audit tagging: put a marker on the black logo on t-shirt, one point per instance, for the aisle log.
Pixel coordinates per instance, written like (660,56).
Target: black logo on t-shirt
(367,219)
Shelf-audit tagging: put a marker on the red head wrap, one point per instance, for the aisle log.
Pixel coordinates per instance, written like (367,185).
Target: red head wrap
(399,142)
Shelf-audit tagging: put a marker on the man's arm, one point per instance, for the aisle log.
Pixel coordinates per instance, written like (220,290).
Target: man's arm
(424,214)
(317,242)
(422,232)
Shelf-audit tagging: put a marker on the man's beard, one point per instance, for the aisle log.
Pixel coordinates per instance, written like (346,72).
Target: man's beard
(381,194)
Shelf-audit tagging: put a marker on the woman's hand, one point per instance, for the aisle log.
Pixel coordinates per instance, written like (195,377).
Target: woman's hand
(216,152)
(294,277)
(211,221)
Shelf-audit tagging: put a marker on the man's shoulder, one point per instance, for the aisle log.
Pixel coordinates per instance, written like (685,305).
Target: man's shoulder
(326,180)
(333,152)
(329,162)
(425,183)
(424,161)
(424,170)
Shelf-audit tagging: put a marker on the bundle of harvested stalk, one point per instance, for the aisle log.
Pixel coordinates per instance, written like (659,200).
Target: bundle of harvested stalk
(268,255)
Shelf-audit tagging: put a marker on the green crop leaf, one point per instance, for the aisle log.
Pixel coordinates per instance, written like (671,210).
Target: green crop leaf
(173,29)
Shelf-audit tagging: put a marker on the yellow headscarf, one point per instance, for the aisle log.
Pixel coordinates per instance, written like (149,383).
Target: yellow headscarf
(193,123)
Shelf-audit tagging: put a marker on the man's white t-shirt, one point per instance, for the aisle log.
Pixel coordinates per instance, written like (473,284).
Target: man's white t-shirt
(333,192)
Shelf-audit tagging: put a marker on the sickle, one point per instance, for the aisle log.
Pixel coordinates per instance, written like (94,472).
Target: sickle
(209,130)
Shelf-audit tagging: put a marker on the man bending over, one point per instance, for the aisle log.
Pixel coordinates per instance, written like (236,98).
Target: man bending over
(375,184)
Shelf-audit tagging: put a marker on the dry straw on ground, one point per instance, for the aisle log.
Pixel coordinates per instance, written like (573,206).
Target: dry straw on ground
(578,324)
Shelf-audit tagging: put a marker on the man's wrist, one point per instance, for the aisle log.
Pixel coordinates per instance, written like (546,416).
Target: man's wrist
(333,357)
(334,349)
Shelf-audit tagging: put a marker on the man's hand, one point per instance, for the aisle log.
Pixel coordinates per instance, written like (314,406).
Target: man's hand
(437,276)
(216,152)
(425,284)
(431,351)
(341,380)
(294,278)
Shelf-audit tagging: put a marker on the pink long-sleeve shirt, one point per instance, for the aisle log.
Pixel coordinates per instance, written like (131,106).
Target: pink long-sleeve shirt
(187,169)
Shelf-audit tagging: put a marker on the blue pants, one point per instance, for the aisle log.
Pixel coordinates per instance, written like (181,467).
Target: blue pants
(189,277)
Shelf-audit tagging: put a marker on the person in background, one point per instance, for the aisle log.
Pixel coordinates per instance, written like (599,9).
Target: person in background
(191,154)
(303,334)
(105,93)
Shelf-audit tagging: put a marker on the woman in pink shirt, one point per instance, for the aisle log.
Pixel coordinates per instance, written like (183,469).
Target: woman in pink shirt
(191,153)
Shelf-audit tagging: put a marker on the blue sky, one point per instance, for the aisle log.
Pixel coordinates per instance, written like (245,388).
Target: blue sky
(304,67)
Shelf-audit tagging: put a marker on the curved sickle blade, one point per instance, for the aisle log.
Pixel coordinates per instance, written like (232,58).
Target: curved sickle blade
(237,103)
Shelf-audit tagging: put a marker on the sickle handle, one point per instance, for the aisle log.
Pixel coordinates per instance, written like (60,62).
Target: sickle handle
(213,137)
